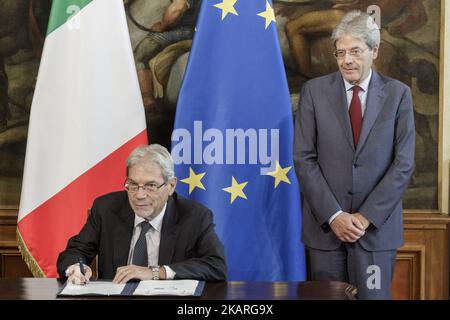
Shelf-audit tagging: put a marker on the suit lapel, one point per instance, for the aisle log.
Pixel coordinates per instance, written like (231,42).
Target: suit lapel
(374,104)
(122,235)
(169,232)
(338,102)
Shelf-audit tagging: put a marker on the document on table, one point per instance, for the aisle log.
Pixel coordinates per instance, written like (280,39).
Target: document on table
(135,288)
(93,288)
(169,288)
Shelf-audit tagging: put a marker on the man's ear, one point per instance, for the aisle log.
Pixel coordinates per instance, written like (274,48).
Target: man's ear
(375,52)
(172,184)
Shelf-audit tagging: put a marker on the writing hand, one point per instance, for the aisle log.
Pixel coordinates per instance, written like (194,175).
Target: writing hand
(74,275)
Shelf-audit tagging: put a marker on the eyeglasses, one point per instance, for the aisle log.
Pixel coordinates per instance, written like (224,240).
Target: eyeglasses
(148,187)
(354,52)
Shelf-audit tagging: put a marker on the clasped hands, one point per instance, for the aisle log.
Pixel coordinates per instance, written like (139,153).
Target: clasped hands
(349,227)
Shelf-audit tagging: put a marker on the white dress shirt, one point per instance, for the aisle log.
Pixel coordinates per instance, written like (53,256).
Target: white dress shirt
(363,98)
(153,237)
(364,85)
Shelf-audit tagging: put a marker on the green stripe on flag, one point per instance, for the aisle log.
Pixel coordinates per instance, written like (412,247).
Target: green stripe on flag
(62,10)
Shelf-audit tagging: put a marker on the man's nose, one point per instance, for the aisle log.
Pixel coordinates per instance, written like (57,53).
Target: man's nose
(141,193)
(348,59)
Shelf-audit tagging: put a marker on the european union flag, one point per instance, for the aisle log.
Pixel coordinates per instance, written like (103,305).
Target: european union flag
(233,139)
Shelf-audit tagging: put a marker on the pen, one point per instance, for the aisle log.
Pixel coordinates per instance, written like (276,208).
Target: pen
(80,261)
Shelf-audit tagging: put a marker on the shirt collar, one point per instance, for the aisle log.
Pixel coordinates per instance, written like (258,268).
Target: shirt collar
(156,222)
(364,84)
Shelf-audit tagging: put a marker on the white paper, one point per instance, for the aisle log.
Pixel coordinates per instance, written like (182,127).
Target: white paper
(166,287)
(93,288)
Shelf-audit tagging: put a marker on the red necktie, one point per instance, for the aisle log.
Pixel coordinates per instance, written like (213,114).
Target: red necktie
(355,114)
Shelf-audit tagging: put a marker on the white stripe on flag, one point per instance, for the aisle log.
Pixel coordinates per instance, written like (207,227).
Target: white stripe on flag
(87,101)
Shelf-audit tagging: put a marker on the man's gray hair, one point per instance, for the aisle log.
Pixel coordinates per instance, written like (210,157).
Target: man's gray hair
(153,153)
(359,25)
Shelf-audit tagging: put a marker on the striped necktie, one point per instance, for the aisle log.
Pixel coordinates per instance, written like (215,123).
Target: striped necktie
(140,255)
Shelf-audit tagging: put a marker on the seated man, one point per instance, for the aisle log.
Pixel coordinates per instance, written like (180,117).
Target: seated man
(146,232)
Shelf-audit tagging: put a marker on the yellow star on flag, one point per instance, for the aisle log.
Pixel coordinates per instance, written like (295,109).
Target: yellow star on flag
(194,180)
(269,14)
(236,189)
(227,6)
(280,174)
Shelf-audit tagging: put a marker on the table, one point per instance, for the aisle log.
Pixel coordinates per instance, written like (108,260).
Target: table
(46,289)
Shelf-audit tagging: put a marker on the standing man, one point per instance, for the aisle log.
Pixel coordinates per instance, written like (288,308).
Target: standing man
(354,156)
(146,232)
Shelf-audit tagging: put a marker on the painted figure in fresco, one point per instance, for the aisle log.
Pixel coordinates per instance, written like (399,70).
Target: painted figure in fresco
(3,96)
(21,42)
(13,37)
(177,24)
(425,85)
(22,29)
(322,22)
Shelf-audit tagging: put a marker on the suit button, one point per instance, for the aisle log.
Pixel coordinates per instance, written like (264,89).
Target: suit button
(355,166)
(350,193)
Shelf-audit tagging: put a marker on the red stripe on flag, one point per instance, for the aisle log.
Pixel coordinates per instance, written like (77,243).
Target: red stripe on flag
(46,229)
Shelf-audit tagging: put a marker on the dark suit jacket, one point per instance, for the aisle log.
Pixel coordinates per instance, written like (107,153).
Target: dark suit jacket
(189,244)
(334,176)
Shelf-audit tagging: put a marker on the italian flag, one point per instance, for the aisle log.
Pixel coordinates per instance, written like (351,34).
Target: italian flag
(86,117)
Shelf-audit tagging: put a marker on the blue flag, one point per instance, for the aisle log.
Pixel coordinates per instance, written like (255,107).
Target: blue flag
(233,139)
